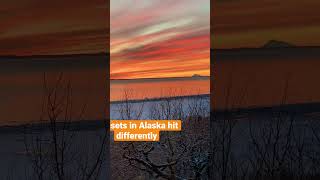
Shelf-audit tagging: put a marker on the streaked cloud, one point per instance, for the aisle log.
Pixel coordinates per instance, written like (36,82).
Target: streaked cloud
(159,38)
(33,27)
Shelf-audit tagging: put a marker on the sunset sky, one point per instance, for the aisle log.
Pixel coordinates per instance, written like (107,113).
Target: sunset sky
(252,23)
(33,27)
(159,38)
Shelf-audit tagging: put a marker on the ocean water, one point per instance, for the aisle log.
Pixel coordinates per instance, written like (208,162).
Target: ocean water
(156,88)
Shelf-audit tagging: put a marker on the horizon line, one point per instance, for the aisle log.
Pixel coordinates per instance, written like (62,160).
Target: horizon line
(52,55)
(262,47)
(174,77)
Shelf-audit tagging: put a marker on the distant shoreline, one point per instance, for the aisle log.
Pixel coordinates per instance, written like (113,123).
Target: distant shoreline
(88,125)
(42,63)
(160,99)
(296,52)
(41,56)
(76,125)
(164,78)
(82,124)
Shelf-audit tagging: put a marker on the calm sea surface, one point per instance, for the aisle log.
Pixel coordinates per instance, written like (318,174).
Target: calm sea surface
(156,88)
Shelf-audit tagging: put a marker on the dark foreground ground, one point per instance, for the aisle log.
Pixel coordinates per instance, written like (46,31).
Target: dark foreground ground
(26,149)
(266,143)
(258,143)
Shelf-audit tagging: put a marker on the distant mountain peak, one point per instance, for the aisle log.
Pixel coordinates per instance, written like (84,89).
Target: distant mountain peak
(196,75)
(277,44)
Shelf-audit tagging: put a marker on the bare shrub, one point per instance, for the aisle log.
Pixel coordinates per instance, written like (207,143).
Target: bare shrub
(178,155)
(55,146)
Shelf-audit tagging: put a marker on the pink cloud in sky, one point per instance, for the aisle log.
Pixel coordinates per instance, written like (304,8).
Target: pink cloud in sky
(159,38)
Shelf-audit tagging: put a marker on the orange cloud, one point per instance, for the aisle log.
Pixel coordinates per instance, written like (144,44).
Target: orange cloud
(159,39)
(33,27)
